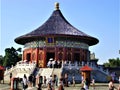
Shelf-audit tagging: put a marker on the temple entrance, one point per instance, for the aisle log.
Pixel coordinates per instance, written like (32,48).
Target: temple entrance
(77,57)
(28,57)
(50,55)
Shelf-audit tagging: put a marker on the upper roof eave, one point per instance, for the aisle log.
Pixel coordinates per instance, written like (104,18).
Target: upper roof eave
(56,25)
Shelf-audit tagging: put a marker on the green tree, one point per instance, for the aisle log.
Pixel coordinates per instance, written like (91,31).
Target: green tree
(1,59)
(12,56)
(113,63)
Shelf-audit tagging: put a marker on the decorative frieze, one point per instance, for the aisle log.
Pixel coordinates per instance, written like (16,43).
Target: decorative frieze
(58,43)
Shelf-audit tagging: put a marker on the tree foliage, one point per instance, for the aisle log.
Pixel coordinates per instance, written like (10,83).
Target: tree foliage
(113,63)
(11,56)
(1,59)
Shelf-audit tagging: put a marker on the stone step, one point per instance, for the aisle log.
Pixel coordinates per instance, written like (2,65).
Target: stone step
(47,72)
(57,71)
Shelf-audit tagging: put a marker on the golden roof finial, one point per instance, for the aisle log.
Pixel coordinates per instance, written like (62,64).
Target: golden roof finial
(57,6)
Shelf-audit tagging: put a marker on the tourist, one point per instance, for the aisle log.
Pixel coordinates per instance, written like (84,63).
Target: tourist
(53,64)
(39,87)
(41,80)
(119,79)
(56,80)
(82,80)
(53,79)
(25,82)
(58,62)
(45,80)
(37,80)
(52,82)
(73,80)
(93,83)
(49,87)
(86,84)
(30,79)
(48,64)
(53,85)
(10,77)
(61,80)
(50,79)
(60,87)
(66,79)
(33,80)
(119,87)
(82,77)
(111,85)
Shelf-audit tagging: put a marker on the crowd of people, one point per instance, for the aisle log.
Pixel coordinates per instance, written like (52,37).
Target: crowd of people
(54,63)
(42,81)
(86,83)
(50,83)
(112,86)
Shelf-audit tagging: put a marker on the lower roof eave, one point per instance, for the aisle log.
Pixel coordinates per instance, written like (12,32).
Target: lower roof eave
(24,39)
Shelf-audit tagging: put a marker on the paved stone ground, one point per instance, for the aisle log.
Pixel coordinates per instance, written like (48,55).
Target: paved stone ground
(99,86)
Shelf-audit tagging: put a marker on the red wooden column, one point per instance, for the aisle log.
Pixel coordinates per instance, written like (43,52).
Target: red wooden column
(56,53)
(88,55)
(37,54)
(45,57)
(64,54)
(80,55)
(72,54)
(31,58)
(23,58)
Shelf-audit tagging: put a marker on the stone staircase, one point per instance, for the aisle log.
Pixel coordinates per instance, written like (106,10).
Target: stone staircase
(46,72)
(8,71)
(99,76)
(49,71)
(19,70)
(57,71)
(71,73)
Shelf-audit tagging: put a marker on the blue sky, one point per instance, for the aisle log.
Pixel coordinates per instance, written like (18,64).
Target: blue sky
(98,18)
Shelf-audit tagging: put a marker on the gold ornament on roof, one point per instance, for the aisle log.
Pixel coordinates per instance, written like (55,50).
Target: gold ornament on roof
(57,6)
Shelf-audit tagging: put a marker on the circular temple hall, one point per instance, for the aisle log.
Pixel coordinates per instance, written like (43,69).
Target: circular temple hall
(56,39)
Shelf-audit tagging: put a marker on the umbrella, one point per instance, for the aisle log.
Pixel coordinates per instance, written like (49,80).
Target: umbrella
(85,68)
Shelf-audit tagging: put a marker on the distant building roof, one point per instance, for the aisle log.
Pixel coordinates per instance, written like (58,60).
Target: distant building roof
(57,26)
(2,68)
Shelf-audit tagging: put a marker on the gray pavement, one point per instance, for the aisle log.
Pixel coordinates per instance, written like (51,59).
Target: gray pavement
(98,86)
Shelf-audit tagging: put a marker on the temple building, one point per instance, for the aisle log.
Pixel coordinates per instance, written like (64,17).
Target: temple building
(58,48)
(56,39)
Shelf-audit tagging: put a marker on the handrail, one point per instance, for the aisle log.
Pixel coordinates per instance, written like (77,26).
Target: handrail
(25,67)
(75,66)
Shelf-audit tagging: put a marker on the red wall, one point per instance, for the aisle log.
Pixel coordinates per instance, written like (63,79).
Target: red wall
(39,55)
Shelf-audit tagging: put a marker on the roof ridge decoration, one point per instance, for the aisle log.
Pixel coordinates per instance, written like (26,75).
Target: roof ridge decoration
(56,6)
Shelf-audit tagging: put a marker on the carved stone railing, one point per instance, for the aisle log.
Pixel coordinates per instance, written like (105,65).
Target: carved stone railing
(8,71)
(76,65)
(21,67)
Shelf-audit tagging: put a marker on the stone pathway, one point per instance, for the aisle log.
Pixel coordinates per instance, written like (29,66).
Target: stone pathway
(99,86)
